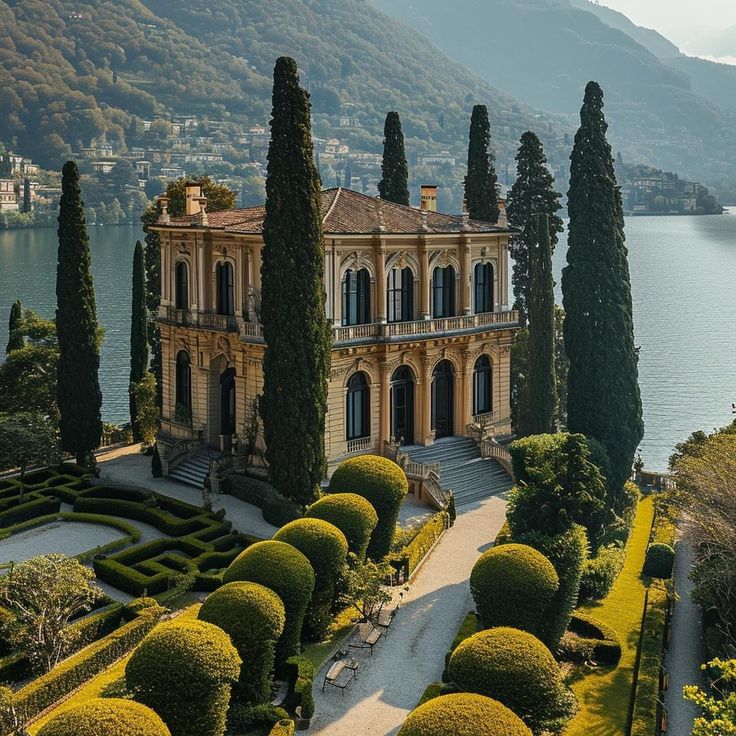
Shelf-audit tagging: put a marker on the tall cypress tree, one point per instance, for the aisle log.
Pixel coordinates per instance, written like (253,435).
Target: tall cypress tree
(78,389)
(138,334)
(27,195)
(296,364)
(15,341)
(481,195)
(533,193)
(603,399)
(394,184)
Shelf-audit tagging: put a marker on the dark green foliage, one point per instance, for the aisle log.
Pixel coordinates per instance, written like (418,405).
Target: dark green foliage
(138,334)
(394,184)
(157,470)
(106,717)
(351,514)
(513,585)
(248,719)
(296,363)
(603,399)
(276,509)
(463,714)
(451,509)
(600,572)
(26,207)
(659,561)
(15,339)
(471,625)
(517,669)
(78,389)
(253,617)
(184,671)
(532,194)
(519,378)
(481,196)
(6,166)
(562,366)
(590,638)
(300,676)
(288,573)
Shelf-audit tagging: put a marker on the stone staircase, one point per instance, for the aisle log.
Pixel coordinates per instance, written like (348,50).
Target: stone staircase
(462,469)
(193,470)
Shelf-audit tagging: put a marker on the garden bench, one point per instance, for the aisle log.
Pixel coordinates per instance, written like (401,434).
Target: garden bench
(341,674)
(385,619)
(368,638)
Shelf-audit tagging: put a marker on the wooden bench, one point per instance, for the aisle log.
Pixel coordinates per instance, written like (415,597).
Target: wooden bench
(367,638)
(385,619)
(341,674)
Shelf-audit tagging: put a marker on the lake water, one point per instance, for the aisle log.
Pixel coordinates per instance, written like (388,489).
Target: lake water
(683,273)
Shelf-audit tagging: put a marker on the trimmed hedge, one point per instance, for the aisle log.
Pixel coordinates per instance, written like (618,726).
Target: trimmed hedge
(253,617)
(184,671)
(515,668)
(300,676)
(251,719)
(512,585)
(416,550)
(600,573)
(383,484)
(106,717)
(275,509)
(284,727)
(352,514)
(659,561)
(463,714)
(31,508)
(289,574)
(588,638)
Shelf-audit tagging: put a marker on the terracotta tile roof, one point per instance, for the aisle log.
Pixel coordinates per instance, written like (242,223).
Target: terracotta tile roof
(345,212)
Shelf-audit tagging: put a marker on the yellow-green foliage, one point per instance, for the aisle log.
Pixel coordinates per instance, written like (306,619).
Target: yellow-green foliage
(184,671)
(515,668)
(351,514)
(283,728)
(383,484)
(463,714)
(106,717)
(431,530)
(289,574)
(253,617)
(512,585)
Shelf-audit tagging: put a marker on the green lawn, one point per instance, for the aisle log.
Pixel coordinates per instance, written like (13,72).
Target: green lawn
(604,693)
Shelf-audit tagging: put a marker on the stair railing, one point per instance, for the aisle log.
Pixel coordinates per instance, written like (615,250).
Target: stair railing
(182,447)
(429,476)
(489,448)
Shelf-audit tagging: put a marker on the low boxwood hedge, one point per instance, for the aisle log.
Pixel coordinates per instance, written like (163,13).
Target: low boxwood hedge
(275,509)
(589,638)
(415,551)
(32,507)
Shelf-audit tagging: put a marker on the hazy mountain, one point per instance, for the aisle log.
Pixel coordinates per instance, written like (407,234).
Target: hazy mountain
(715,82)
(719,44)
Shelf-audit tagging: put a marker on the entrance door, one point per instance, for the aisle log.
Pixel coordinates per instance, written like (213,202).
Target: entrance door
(402,406)
(227,402)
(443,389)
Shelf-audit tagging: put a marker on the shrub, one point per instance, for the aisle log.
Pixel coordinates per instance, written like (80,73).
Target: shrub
(246,719)
(590,637)
(515,668)
(184,671)
(659,561)
(300,676)
(512,585)
(470,625)
(285,727)
(463,714)
(383,484)
(326,548)
(420,543)
(253,616)
(288,573)
(157,470)
(600,573)
(106,717)
(278,510)
(351,514)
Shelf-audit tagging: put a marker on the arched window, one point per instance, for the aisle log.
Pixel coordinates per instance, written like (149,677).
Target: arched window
(356,297)
(225,289)
(182,285)
(400,286)
(483,283)
(443,292)
(358,407)
(482,386)
(184,381)
(402,405)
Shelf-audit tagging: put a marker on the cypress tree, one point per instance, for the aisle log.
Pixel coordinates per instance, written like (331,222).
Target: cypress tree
(541,398)
(78,389)
(533,193)
(15,341)
(394,184)
(603,399)
(138,334)
(296,364)
(26,195)
(481,196)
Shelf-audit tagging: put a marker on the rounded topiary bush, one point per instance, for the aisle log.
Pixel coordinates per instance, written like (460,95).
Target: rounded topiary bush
(326,548)
(512,585)
(289,574)
(253,617)
(184,670)
(659,560)
(515,668)
(352,514)
(463,714)
(106,717)
(383,484)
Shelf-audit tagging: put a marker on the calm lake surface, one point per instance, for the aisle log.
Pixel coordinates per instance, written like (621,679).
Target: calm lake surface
(683,273)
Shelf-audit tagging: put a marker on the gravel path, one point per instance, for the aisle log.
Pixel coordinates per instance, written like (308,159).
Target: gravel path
(686,651)
(391,682)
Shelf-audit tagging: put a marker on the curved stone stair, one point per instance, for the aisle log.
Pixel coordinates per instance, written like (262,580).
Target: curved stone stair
(193,470)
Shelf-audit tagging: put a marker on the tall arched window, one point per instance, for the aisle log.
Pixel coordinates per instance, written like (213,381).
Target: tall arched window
(356,297)
(184,381)
(182,285)
(483,283)
(358,408)
(225,289)
(443,292)
(482,386)
(402,405)
(400,286)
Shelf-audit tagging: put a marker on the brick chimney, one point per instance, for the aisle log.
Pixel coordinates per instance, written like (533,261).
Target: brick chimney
(428,197)
(193,193)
